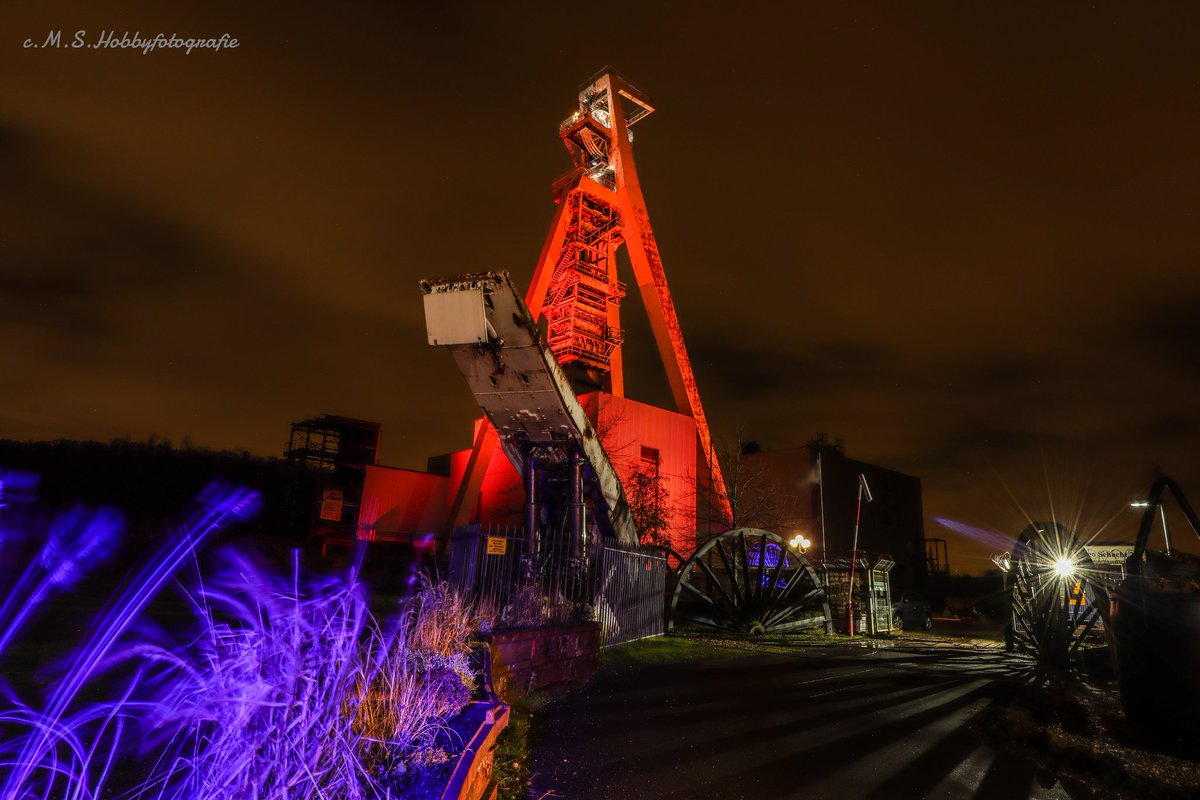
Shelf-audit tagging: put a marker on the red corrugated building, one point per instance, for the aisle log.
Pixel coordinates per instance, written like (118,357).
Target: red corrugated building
(402,505)
(637,436)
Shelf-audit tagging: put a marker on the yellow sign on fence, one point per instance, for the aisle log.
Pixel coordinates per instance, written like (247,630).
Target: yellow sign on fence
(497,545)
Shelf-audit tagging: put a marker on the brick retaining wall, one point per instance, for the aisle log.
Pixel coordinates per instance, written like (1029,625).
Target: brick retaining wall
(526,660)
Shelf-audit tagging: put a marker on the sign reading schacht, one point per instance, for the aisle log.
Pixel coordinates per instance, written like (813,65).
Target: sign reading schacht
(1109,554)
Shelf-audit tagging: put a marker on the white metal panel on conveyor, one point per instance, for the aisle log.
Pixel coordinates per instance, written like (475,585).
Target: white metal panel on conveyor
(517,380)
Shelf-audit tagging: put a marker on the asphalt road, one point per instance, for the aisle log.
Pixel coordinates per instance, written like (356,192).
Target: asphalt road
(833,722)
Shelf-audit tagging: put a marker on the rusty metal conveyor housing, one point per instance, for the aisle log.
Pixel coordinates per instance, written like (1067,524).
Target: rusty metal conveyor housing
(498,348)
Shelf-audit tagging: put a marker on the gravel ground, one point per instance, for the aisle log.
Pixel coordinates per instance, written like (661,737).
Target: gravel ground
(1082,733)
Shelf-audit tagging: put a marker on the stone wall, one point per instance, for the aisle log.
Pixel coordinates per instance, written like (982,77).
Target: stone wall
(527,660)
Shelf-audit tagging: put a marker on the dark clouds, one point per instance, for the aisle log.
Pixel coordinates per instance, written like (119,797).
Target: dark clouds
(73,256)
(1167,331)
(119,320)
(961,237)
(746,357)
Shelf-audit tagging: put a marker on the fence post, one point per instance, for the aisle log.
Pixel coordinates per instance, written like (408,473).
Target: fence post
(531,514)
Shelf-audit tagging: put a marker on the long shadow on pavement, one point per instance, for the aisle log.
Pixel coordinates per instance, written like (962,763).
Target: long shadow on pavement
(813,724)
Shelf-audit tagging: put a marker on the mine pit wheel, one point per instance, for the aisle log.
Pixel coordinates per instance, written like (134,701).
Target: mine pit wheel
(748,581)
(1054,598)
(674,561)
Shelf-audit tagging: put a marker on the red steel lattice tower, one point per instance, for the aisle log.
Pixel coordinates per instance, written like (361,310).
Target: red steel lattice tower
(600,207)
(582,297)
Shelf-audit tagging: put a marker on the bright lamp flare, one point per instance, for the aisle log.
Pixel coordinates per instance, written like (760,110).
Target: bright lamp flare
(1064,567)
(799,542)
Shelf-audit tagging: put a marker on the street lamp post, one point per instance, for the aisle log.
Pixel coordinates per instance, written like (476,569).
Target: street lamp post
(863,488)
(1162,515)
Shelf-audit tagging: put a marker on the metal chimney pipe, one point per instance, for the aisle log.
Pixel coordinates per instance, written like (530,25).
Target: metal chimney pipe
(576,505)
(531,509)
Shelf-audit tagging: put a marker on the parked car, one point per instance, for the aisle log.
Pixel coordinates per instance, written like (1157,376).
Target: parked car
(911,612)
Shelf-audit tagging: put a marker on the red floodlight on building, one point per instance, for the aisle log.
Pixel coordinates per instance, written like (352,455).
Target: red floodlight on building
(575,285)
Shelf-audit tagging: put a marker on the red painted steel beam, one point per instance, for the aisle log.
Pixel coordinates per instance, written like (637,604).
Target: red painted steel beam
(535,296)
(660,308)
(486,443)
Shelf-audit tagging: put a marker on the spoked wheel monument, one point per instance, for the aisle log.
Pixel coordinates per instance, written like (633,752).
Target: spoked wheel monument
(1055,595)
(748,581)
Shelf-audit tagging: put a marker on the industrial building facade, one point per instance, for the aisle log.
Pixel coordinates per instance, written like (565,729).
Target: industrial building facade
(814,490)
(403,506)
(809,490)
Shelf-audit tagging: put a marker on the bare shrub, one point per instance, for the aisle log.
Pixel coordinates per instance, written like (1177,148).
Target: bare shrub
(396,716)
(445,623)
(526,608)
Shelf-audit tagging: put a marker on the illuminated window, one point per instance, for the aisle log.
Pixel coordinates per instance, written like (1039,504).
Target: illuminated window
(649,462)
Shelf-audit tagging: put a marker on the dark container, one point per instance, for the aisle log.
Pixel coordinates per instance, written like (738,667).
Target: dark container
(1154,636)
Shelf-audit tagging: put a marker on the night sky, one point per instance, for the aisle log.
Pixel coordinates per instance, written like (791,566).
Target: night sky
(961,237)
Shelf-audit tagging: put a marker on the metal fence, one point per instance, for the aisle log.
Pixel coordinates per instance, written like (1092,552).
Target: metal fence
(487,579)
(631,591)
(623,588)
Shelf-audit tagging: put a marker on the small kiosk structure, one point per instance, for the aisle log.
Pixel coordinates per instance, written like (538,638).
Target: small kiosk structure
(872,601)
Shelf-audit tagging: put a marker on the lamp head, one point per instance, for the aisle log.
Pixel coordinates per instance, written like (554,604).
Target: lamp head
(866,490)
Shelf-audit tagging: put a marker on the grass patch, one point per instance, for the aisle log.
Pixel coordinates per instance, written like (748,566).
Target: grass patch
(773,642)
(814,636)
(660,650)
(514,749)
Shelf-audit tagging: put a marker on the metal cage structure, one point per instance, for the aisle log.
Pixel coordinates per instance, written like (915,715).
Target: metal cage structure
(872,589)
